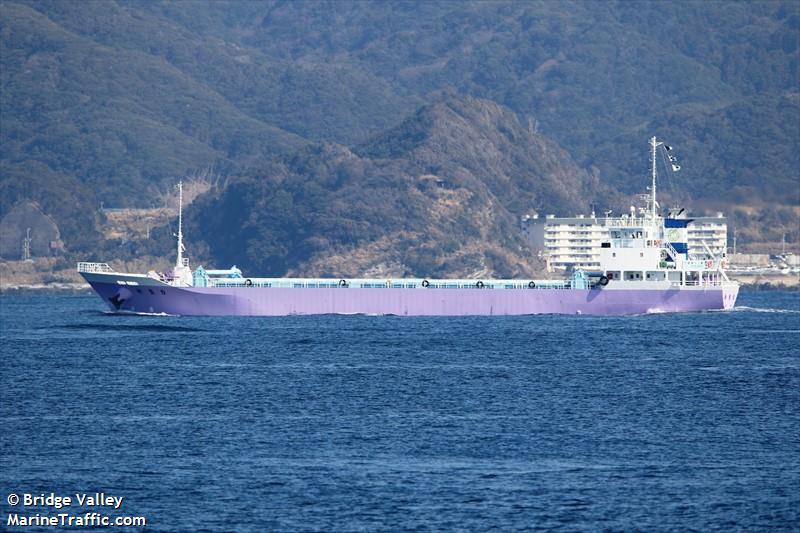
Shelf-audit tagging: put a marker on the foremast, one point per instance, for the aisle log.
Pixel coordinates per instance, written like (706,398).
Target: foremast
(181,274)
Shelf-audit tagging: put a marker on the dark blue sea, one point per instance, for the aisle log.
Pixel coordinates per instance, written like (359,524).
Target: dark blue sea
(668,422)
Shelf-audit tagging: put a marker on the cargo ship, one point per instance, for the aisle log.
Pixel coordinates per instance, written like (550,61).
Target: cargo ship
(645,267)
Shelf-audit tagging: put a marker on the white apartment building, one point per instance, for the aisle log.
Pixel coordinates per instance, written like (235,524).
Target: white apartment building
(574,242)
(711,230)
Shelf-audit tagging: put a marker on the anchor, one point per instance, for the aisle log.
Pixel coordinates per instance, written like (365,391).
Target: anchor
(119,298)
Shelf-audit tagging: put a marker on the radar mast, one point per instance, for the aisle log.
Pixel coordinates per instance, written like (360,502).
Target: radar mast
(179,261)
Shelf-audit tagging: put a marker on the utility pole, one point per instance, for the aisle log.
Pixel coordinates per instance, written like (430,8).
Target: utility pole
(734,241)
(26,246)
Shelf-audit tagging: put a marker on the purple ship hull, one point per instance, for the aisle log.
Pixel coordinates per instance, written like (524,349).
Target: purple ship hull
(260,301)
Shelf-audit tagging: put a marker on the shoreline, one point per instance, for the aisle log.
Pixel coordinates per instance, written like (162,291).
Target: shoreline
(762,282)
(46,288)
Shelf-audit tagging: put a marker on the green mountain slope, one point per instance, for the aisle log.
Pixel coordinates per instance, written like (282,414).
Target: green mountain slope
(763,145)
(588,74)
(318,101)
(120,121)
(439,195)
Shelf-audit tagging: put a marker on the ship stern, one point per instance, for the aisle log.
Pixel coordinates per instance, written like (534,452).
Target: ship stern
(730,291)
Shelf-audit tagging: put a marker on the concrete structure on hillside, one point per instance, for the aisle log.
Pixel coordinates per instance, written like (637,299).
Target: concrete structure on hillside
(27,232)
(749,260)
(791,260)
(568,243)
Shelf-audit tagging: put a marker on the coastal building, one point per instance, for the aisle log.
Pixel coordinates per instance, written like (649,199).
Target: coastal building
(749,260)
(566,243)
(713,231)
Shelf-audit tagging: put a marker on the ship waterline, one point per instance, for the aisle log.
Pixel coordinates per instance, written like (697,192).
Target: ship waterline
(279,301)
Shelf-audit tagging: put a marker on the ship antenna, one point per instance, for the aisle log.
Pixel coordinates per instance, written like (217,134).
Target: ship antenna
(179,262)
(653,145)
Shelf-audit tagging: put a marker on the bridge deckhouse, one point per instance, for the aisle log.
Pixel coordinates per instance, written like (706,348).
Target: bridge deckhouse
(647,249)
(634,249)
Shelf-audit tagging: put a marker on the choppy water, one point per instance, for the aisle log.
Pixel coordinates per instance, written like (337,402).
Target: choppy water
(347,423)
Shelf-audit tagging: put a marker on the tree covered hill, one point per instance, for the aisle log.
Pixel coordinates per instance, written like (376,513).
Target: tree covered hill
(591,75)
(110,101)
(439,195)
(763,146)
(119,120)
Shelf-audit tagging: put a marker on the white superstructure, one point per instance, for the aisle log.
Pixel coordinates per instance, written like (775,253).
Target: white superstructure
(650,248)
(568,243)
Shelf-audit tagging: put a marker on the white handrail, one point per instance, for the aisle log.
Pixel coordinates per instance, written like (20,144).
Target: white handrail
(717,262)
(94,267)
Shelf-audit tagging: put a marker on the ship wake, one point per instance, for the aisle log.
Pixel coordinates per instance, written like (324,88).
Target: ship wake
(747,309)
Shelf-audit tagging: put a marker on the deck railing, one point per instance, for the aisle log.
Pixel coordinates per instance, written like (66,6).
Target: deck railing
(94,267)
(707,281)
(386,284)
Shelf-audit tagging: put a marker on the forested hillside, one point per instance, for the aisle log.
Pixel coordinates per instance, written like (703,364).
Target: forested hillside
(440,194)
(113,101)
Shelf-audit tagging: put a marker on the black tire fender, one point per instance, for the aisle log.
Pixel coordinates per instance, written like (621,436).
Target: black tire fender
(479,284)
(531,285)
(425,283)
(343,283)
(248,282)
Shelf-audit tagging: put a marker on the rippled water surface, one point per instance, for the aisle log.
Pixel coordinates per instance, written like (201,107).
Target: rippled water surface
(343,423)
